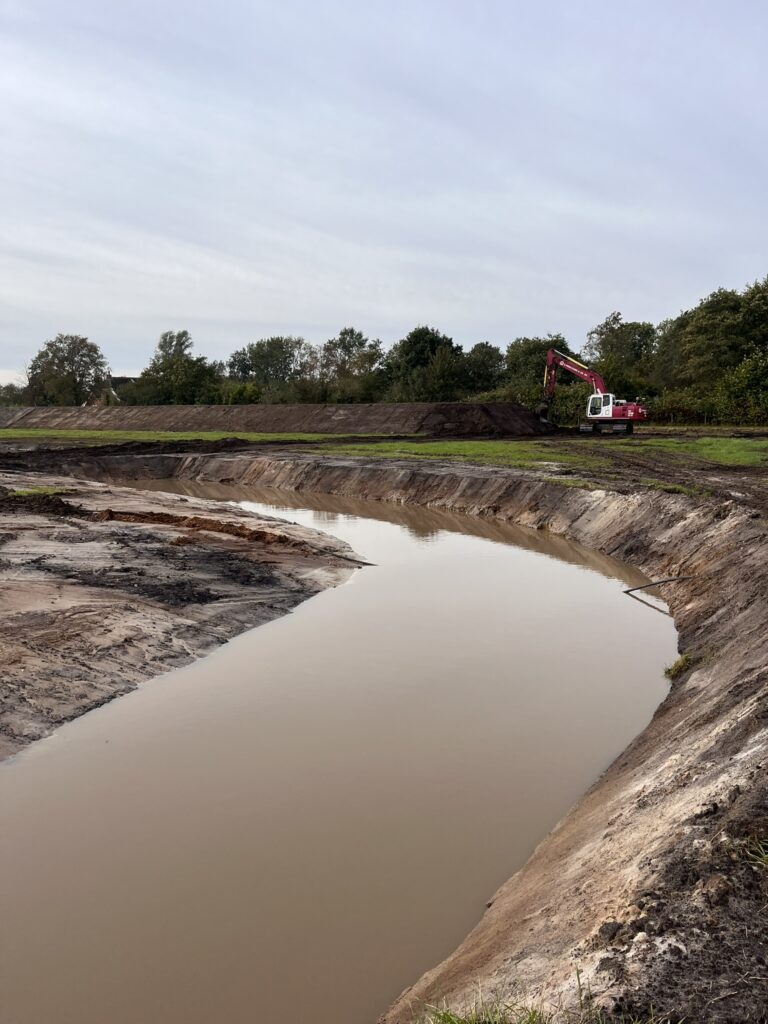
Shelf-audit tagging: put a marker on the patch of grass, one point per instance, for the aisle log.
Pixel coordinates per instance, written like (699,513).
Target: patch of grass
(662,485)
(517,454)
(679,667)
(725,451)
(486,1015)
(27,492)
(756,852)
(108,436)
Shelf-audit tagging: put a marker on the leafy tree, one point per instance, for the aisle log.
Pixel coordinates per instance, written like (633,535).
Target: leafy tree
(483,367)
(407,363)
(308,382)
(173,345)
(696,348)
(11,394)
(351,365)
(66,371)
(742,394)
(623,352)
(233,392)
(270,362)
(174,376)
(525,362)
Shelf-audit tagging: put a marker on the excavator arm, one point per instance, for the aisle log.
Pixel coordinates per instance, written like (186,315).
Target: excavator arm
(557,360)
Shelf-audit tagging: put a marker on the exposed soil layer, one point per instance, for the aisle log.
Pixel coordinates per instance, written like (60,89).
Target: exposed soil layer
(102,587)
(460,419)
(651,887)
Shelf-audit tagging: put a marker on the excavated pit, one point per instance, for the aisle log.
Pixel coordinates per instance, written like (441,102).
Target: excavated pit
(648,886)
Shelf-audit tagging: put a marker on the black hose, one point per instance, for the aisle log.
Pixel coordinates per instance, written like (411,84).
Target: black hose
(657,583)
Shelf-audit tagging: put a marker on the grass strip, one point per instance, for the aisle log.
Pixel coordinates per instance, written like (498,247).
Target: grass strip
(725,451)
(27,492)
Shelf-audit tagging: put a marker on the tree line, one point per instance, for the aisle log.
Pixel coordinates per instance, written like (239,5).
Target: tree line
(708,364)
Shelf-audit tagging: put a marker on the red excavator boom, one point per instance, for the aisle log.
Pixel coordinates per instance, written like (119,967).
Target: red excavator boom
(556,359)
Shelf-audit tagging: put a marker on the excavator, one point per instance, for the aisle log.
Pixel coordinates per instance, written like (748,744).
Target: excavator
(603,408)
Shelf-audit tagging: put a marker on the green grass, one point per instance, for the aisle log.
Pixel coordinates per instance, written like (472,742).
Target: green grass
(519,454)
(757,852)
(108,436)
(29,491)
(662,485)
(679,667)
(726,451)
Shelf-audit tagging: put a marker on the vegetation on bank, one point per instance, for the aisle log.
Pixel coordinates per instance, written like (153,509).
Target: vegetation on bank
(28,492)
(726,451)
(707,365)
(679,667)
(513,1013)
(586,453)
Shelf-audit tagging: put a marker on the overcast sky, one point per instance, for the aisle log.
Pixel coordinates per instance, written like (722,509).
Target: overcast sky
(244,168)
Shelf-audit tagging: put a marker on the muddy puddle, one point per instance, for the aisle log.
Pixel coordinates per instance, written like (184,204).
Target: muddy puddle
(297,826)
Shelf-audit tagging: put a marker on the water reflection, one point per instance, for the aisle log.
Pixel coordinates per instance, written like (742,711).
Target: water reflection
(423,524)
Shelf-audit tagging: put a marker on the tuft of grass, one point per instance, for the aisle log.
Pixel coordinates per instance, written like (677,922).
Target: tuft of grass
(29,491)
(679,667)
(662,485)
(517,454)
(756,852)
(725,451)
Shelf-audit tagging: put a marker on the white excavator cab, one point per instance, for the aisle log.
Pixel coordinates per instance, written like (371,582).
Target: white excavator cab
(600,407)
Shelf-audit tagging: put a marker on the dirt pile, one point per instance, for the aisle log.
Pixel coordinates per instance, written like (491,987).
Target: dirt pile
(436,419)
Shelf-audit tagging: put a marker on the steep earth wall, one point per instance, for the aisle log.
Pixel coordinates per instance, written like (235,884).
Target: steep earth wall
(431,418)
(648,887)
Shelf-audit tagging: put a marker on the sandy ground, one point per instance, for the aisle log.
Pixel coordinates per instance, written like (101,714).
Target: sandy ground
(103,587)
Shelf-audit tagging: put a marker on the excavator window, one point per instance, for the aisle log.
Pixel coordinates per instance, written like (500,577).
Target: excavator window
(595,406)
(606,400)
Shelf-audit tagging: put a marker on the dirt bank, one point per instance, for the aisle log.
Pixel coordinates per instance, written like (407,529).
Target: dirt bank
(651,887)
(102,587)
(435,419)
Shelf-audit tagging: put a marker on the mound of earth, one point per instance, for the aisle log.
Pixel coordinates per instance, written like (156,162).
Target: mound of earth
(435,419)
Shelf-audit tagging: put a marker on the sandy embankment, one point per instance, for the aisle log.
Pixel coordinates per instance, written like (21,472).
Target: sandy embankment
(103,587)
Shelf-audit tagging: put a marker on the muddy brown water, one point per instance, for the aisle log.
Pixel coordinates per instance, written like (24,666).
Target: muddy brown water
(295,827)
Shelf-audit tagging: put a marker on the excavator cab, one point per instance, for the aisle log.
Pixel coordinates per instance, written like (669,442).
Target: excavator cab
(600,406)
